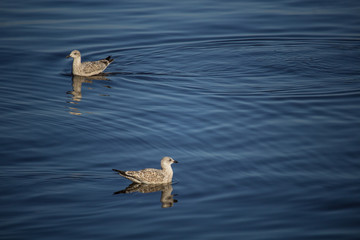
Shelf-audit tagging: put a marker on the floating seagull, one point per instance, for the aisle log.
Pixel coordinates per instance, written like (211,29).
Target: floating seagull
(151,175)
(88,68)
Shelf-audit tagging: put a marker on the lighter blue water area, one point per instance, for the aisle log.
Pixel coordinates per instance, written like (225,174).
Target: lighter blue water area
(259,101)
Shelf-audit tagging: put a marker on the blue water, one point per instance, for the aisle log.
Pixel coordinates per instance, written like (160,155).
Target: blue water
(259,101)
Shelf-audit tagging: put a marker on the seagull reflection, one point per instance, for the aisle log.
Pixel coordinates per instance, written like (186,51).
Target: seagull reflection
(77,82)
(167,199)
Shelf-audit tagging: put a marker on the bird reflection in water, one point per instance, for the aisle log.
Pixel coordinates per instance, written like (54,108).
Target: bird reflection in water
(167,199)
(77,82)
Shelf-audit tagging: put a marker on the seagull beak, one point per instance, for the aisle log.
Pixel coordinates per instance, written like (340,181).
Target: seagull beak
(68,56)
(176,161)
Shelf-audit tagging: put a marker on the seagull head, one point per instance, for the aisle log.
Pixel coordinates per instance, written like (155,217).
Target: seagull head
(167,161)
(74,54)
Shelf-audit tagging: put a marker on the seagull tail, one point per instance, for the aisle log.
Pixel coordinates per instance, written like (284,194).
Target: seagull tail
(119,171)
(109,59)
(123,173)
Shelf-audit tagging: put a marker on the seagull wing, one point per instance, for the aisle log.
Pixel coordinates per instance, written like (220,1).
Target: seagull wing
(94,67)
(148,175)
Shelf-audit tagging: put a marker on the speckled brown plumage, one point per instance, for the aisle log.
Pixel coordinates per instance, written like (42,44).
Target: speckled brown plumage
(88,68)
(151,175)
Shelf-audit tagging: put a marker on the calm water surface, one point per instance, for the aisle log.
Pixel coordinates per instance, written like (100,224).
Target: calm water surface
(258,101)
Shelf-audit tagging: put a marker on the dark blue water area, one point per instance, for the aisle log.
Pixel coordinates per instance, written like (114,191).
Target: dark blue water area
(259,101)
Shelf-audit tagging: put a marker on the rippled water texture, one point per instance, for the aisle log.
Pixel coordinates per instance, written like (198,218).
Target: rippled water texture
(259,102)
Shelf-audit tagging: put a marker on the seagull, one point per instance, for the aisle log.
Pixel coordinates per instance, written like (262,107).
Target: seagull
(151,175)
(88,68)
